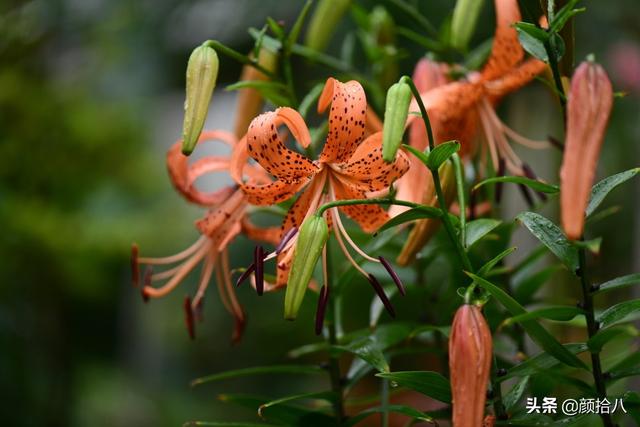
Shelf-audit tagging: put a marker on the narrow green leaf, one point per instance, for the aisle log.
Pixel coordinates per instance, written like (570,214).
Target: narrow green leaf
(562,313)
(602,188)
(429,383)
(616,375)
(487,267)
(563,15)
(619,312)
(441,154)
(413,214)
(310,99)
(397,409)
(477,229)
(423,157)
(511,399)
(256,84)
(619,283)
(371,347)
(531,183)
(600,339)
(323,395)
(537,333)
(532,40)
(260,370)
(552,237)
(541,362)
(297,26)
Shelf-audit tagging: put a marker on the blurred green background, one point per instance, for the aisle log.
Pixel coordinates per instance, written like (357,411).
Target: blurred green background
(91,93)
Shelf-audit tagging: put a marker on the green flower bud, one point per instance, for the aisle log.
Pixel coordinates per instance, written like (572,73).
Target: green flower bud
(311,240)
(324,21)
(395,116)
(202,71)
(463,23)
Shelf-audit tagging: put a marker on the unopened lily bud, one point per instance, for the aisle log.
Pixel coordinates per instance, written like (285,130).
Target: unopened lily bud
(588,110)
(249,99)
(311,240)
(463,23)
(395,116)
(470,354)
(424,229)
(323,23)
(202,72)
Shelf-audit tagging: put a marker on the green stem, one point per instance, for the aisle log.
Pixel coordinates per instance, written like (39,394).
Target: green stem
(592,329)
(349,202)
(334,357)
(243,59)
(457,166)
(498,406)
(555,70)
(436,179)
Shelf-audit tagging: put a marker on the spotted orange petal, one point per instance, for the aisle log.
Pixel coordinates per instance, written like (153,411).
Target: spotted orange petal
(368,171)
(265,145)
(183,175)
(514,79)
(272,193)
(368,217)
(262,234)
(347,119)
(506,52)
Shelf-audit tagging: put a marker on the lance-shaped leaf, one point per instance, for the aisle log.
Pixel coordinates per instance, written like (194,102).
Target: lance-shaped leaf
(477,229)
(619,312)
(202,72)
(429,383)
(395,116)
(441,154)
(552,237)
(541,362)
(312,238)
(562,313)
(602,188)
(534,184)
(619,282)
(537,333)
(260,370)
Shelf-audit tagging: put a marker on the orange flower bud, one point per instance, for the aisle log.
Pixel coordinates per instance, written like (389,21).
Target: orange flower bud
(470,349)
(249,99)
(588,110)
(424,229)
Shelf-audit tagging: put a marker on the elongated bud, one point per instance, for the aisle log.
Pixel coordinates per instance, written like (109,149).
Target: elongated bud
(202,72)
(588,110)
(424,229)
(395,116)
(463,23)
(470,350)
(323,23)
(249,99)
(312,238)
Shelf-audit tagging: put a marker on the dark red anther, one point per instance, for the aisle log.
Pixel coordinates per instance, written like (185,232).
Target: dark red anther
(529,173)
(135,267)
(501,170)
(258,261)
(188,317)
(382,295)
(394,275)
(322,308)
(525,193)
(245,275)
(556,143)
(286,238)
(146,281)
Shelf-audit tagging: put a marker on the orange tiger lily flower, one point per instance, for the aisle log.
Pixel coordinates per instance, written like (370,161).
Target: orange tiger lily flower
(588,110)
(225,219)
(349,167)
(459,109)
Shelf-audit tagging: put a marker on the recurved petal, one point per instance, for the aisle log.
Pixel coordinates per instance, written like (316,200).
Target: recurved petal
(266,147)
(588,110)
(368,217)
(347,119)
(368,171)
(429,74)
(262,234)
(514,79)
(272,193)
(231,210)
(506,52)
(183,175)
